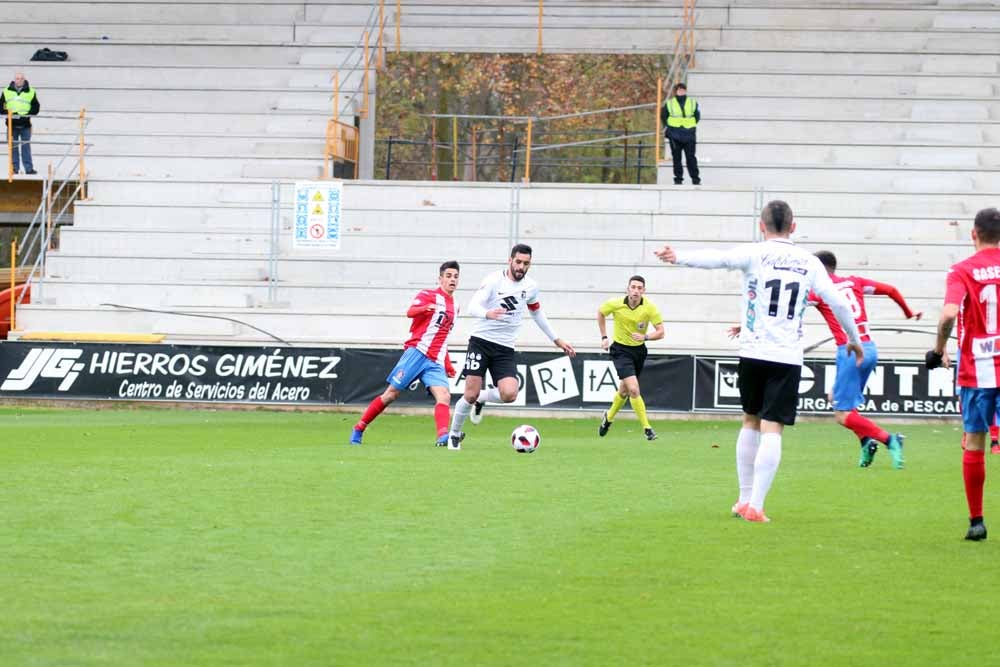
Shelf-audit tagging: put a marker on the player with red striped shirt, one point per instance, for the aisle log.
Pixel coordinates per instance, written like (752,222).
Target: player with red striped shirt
(425,355)
(848,388)
(972,298)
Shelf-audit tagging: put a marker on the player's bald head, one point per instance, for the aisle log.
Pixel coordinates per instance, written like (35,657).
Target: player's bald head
(987,225)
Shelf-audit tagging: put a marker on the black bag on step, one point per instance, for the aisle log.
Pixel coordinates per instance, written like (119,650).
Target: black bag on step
(47,54)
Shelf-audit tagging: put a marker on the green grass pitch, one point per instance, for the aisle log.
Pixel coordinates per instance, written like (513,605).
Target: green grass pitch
(156,537)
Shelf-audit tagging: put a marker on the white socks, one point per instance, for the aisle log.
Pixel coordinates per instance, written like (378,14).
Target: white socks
(746,453)
(491,395)
(462,409)
(765,467)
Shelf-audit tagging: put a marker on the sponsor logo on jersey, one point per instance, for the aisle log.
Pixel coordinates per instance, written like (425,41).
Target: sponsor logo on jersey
(983,348)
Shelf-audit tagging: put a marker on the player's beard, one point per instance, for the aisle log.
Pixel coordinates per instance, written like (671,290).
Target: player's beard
(518,273)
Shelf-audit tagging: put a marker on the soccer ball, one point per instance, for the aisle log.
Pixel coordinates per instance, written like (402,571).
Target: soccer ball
(525,439)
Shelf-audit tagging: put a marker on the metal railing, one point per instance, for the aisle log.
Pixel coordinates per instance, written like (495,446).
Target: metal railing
(617,159)
(539,135)
(343,140)
(81,144)
(60,190)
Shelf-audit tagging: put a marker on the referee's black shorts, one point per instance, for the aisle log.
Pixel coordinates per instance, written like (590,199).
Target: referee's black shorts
(628,359)
(769,390)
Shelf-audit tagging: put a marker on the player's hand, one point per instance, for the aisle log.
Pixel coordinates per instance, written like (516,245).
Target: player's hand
(430,308)
(638,337)
(934,360)
(917,316)
(666,254)
(605,343)
(734,332)
(565,347)
(497,313)
(859,353)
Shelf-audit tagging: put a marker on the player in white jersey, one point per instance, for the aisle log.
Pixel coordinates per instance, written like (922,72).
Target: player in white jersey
(500,304)
(778,277)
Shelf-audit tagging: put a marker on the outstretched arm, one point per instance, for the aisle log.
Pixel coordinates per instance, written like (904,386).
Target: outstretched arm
(885,289)
(543,323)
(736,258)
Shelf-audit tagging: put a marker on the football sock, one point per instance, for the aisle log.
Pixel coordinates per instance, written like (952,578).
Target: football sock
(865,428)
(764,468)
(462,408)
(994,433)
(746,453)
(441,418)
(616,405)
(491,395)
(974,472)
(639,406)
(373,410)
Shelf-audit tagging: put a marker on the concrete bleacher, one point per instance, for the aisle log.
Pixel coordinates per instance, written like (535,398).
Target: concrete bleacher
(391,250)
(841,81)
(868,117)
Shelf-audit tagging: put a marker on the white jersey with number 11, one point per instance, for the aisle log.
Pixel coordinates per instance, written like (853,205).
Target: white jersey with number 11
(778,276)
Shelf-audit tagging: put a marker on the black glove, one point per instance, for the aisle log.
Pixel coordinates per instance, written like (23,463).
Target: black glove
(933,359)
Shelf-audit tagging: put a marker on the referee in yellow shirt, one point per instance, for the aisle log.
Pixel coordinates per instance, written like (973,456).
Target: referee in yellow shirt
(634,317)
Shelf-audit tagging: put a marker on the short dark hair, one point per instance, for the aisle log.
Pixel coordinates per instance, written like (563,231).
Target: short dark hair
(638,278)
(450,264)
(777,216)
(680,86)
(988,225)
(520,248)
(827,259)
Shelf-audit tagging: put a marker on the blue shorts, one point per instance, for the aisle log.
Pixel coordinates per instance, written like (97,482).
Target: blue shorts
(979,407)
(849,387)
(414,365)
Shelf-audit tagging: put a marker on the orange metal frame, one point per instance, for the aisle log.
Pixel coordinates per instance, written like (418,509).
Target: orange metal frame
(342,143)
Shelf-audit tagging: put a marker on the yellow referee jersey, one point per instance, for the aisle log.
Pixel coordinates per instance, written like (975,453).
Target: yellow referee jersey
(641,319)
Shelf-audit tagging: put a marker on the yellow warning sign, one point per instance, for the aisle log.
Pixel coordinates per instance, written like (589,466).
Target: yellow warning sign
(318,210)
(318,196)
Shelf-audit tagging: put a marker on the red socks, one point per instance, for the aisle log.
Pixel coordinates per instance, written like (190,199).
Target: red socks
(441,418)
(865,428)
(994,433)
(974,472)
(373,410)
